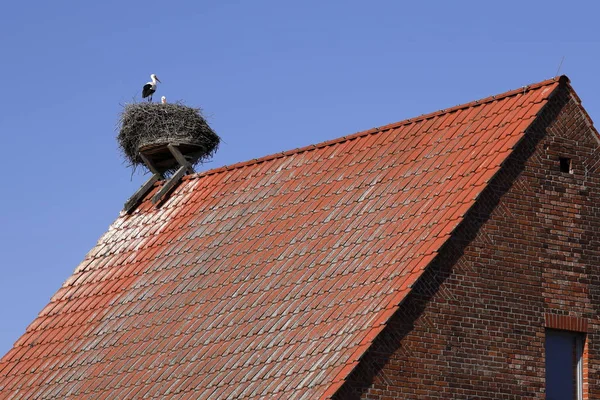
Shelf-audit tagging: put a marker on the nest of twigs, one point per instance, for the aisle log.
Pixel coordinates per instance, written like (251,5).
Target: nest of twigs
(144,125)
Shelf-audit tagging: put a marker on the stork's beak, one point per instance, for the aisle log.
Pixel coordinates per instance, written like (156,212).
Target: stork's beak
(157,78)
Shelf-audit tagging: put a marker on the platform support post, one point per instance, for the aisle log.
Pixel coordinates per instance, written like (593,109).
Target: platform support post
(159,159)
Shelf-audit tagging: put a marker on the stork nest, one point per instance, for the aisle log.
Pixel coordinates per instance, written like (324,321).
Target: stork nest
(144,125)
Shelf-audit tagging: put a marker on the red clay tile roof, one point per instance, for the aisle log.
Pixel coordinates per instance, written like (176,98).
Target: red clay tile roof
(268,278)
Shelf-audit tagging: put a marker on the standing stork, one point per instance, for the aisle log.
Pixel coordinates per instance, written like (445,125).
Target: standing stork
(150,88)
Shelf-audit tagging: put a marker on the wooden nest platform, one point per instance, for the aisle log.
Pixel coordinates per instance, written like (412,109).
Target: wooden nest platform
(162,158)
(168,140)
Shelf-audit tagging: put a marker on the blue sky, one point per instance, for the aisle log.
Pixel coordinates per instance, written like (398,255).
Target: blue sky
(271,75)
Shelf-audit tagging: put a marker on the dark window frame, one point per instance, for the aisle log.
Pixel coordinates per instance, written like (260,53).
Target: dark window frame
(555,349)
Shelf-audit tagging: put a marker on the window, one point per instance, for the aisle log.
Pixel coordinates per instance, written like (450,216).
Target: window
(565,165)
(564,365)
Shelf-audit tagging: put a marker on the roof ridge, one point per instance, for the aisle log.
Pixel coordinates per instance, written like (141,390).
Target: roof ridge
(342,139)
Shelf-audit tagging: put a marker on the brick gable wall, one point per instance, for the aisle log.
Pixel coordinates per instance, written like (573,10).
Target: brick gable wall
(526,257)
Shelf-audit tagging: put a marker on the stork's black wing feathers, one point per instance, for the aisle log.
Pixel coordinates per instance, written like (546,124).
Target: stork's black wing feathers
(147,90)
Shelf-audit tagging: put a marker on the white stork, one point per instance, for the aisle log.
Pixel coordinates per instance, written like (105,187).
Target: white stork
(163,100)
(150,88)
